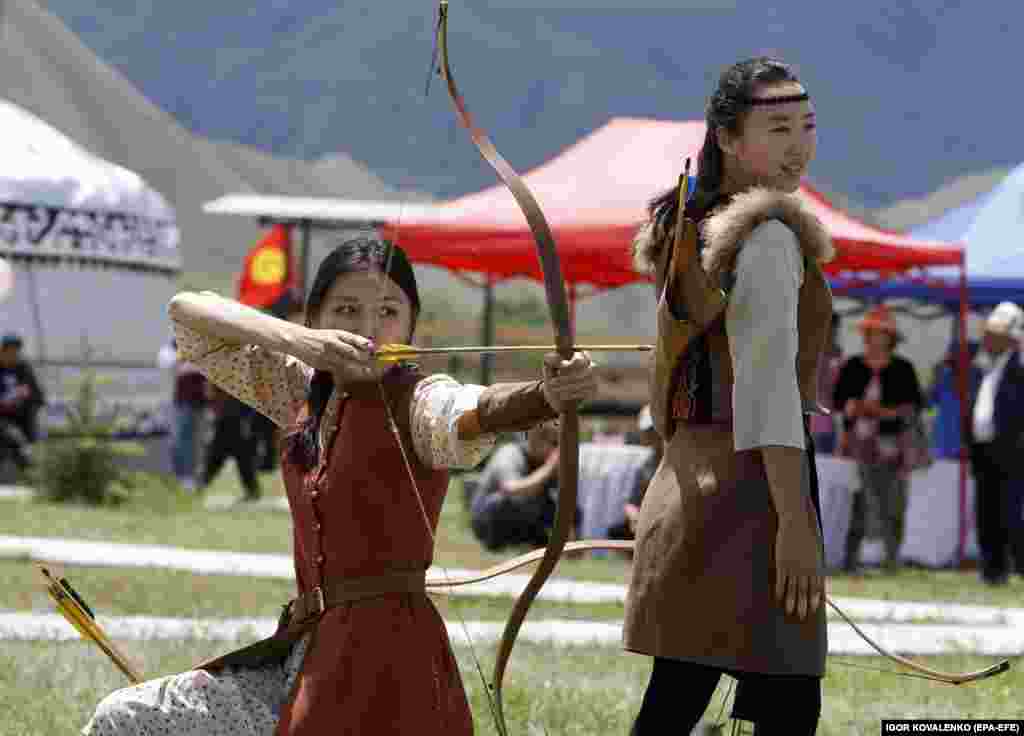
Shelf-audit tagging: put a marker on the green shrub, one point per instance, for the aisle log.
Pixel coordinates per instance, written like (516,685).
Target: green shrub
(79,462)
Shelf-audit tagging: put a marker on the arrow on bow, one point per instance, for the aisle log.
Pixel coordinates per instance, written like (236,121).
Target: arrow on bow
(558,305)
(397,352)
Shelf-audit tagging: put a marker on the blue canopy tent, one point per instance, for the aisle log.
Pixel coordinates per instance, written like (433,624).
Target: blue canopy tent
(992,226)
(982,292)
(995,237)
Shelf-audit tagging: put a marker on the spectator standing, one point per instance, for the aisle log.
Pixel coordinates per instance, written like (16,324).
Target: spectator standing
(880,396)
(231,439)
(516,500)
(995,441)
(21,397)
(944,396)
(823,426)
(188,404)
(264,440)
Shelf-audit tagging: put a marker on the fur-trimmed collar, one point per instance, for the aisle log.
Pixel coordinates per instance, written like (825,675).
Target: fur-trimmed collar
(728,227)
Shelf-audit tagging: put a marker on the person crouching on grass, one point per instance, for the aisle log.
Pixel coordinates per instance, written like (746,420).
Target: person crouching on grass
(373,656)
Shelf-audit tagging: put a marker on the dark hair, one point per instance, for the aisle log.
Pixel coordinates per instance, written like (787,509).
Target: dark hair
(727,108)
(361,254)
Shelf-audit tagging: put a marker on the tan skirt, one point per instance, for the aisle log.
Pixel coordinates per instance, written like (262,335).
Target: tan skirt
(703,580)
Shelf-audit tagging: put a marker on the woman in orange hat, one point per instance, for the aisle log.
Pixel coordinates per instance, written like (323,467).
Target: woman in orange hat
(878,394)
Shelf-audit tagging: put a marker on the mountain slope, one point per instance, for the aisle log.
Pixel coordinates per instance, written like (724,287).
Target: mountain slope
(47,70)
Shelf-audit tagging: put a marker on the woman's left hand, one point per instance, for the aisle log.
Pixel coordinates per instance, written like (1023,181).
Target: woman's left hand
(568,381)
(872,408)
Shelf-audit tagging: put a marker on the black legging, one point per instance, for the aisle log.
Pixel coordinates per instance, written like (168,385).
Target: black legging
(679,693)
(231,439)
(998,501)
(12,445)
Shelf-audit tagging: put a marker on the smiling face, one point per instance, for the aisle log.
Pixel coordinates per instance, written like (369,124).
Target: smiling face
(775,143)
(878,343)
(9,355)
(357,302)
(997,343)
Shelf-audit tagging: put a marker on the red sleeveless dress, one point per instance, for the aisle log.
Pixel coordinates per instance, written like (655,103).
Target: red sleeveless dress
(384,665)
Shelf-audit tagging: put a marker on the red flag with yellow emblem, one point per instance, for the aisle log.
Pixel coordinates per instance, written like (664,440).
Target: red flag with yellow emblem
(267,275)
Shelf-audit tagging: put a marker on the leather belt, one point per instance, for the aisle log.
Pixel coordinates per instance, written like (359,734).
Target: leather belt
(307,608)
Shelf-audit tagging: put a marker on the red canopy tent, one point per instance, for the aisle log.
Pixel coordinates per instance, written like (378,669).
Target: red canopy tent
(595,194)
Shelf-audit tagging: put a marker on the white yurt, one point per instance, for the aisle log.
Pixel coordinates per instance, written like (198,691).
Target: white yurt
(92,256)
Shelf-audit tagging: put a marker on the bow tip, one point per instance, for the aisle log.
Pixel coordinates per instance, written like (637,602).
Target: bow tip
(996,669)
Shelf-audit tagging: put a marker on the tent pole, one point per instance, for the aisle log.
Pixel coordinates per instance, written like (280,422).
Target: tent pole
(487,360)
(306,226)
(572,305)
(37,318)
(963,366)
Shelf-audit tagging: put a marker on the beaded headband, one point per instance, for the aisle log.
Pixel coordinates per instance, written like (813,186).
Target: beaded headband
(781,100)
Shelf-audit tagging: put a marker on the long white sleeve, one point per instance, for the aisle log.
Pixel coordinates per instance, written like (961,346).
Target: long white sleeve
(437,404)
(761,320)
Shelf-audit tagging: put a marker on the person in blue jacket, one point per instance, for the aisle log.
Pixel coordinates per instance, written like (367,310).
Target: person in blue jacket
(944,397)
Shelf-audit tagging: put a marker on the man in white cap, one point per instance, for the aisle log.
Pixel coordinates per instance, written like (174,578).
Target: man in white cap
(996,442)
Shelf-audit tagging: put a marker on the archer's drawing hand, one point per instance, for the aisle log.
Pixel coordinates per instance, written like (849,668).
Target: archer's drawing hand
(568,381)
(346,355)
(799,582)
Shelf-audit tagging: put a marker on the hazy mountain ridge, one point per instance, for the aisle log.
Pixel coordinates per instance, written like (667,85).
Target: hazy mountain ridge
(898,89)
(909,213)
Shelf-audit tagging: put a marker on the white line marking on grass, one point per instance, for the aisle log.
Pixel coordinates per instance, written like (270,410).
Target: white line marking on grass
(910,639)
(216,562)
(116,554)
(16,492)
(219,502)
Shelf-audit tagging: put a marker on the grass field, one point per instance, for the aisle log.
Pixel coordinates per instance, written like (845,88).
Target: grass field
(50,688)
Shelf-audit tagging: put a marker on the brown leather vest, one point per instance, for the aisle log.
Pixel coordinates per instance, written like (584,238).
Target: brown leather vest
(691,304)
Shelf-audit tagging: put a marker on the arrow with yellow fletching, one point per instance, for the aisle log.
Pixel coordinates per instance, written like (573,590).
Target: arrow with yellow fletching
(72,607)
